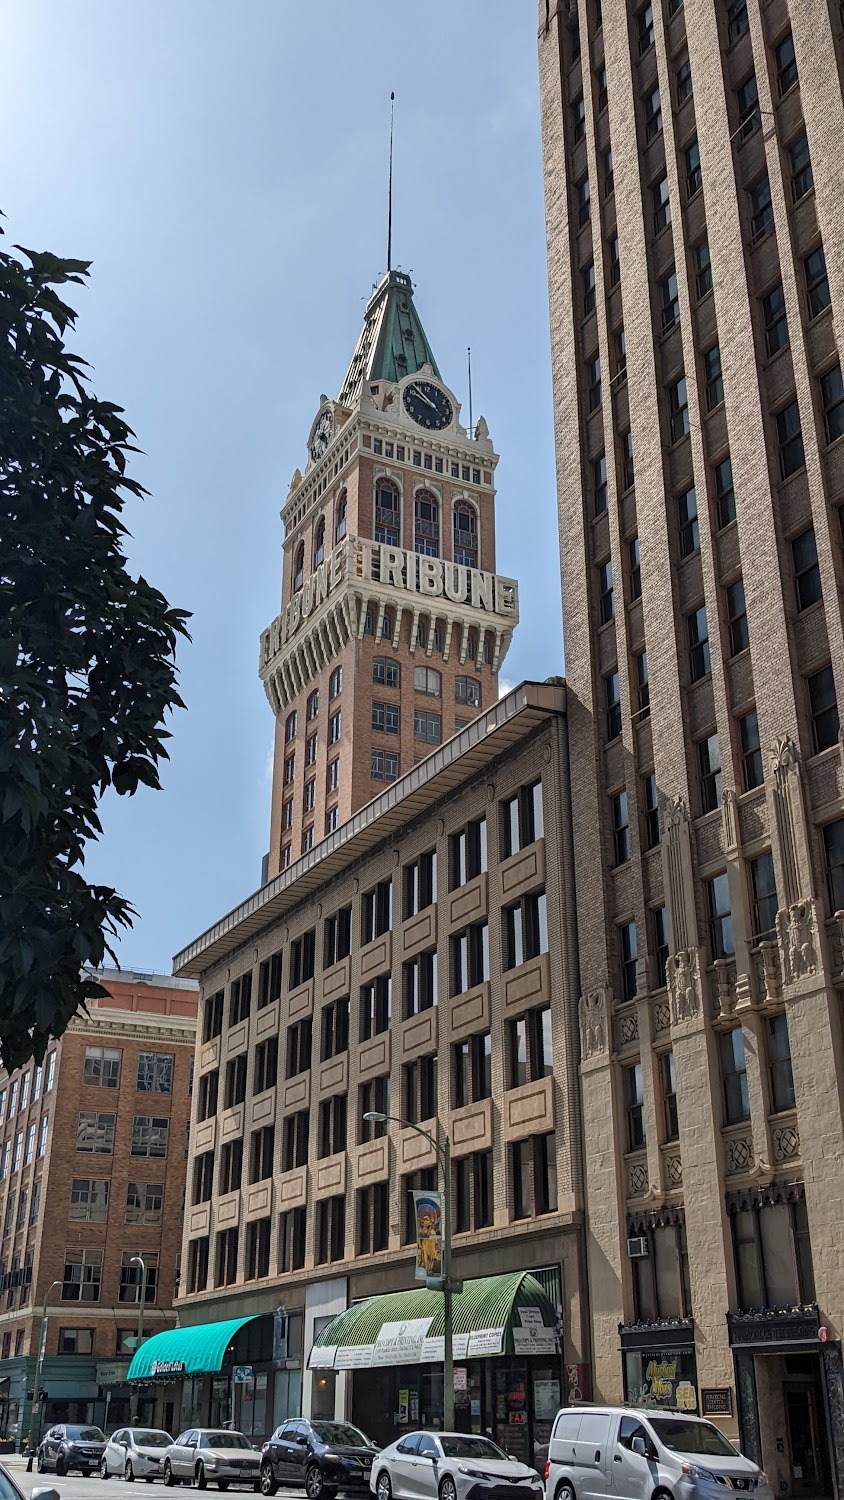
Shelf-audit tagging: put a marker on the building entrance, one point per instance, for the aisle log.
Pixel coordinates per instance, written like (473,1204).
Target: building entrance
(807,1437)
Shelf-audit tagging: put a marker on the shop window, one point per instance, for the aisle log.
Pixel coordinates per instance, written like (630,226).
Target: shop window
(530,1047)
(473,1069)
(533,1165)
(419,883)
(258,1249)
(373,1218)
(292,1233)
(474,1191)
(375,1007)
(419,984)
(469,953)
(231,1166)
(467,853)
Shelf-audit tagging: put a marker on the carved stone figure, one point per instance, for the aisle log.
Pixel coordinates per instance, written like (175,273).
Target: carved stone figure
(683,987)
(798,940)
(593,1030)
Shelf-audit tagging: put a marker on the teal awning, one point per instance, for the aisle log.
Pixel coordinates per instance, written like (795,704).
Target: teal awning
(184,1351)
(508,1314)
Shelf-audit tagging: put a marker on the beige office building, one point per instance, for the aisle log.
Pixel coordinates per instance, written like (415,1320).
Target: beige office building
(694,158)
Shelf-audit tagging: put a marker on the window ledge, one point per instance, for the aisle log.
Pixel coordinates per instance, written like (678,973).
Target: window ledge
(836,443)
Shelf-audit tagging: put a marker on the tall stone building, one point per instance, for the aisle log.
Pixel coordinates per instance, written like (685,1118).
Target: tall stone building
(393,623)
(693,169)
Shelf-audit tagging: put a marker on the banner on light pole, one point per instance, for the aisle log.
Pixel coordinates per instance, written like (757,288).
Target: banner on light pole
(428,1216)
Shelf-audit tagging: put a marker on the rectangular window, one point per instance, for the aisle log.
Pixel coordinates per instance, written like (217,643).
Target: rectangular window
(620,828)
(713,377)
(823,707)
(737,616)
(646,27)
(775,320)
(373,1218)
(330,1230)
(386,673)
(149,1135)
(643,687)
(524,930)
(634,564)
(832,399)
(734,1075)
(427,727)
(747,99)
(375,1007)
(258,1249)
(335,727)
(209,1087)
(720,917)
(601,88)
(678,402)
(606,599)
(807,574)
(593,382)
(376,911)
(703,269)
(155,1072)
(338,936)
(534,1176)
(709,765)
(626,470)
(467,853)
(670,299)
(761,209)
(668,1076)
(83,1270)
(609,175)
(419,883)
(614,260)
(101,1067)
(467,690)
(660,931)
(203,1181)
(231,1165)
(76,1341)
(779,1053)
(578,118)
(689,526)
(373,1098)
(469,957)
(386,718)
(235,1090)
(650,801)
(42,1135)
(384,765)
(661,204)
(786,64)
(725,495)
(817,282)
(694,173)
(612,692)
(30,1143)
(95,1133)
(240,999)
(684,82)
(225,1268)
(332,776)
(833,838)
(751,751)
(311,747)
(292,1231)
(132,1277)
(295,1139)
(635,1100)
(653,114)
(212,1016)
(802,177)
(299,1042)
(89,1200)
(629,946)
(473,1069)
(419,1089)
(474,1191)
(332,1126)
(699,658)
(334,1039)
(289,770)
(302,958)
(584,201)
(419,983)
(764,897)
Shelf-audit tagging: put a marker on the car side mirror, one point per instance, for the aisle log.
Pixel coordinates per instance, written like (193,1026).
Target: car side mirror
(639,1446)
(45,1492)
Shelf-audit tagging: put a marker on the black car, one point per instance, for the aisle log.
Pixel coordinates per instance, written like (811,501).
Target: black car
(321,1457)
(64,1448)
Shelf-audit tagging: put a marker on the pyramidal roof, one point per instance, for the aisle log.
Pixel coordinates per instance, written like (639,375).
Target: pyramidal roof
(392,342)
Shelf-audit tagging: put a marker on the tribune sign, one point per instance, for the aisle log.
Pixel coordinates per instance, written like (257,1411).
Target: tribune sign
(359,559)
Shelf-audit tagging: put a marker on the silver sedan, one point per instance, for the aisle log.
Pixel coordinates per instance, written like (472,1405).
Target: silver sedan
(451,1466)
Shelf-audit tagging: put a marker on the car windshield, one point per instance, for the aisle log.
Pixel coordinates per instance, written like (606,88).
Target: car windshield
(341,1432)
(470,1447)
(682,1436)
(8,1488)
(85,1435)
(224,1440)
(151,1439)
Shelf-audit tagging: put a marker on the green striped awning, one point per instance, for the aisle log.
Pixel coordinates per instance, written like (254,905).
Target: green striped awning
(508,1314)
(184,1351)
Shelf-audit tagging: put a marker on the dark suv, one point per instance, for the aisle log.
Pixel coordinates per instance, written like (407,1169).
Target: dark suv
(322,1457)
(64,1448)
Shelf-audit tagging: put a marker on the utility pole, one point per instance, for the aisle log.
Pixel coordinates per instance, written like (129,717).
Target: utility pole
(138,1260)
(36,1406)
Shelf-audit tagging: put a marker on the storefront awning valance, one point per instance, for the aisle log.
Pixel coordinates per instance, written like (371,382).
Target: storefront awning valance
(184,1351)
(509,1314)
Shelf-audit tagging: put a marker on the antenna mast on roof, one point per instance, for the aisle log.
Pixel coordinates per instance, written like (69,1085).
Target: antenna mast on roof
(390,194)
(471,423)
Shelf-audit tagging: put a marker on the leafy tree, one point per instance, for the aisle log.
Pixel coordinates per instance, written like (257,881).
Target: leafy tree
(87,657)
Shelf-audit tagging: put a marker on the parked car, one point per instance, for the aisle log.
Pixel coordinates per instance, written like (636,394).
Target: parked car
(321,1457)
(451,1466)
(10,1490)
(135,1452)
(210,1454)
(635,1453)
(65,1447)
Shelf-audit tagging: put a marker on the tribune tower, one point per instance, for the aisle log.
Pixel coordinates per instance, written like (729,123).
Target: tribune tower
(393,621)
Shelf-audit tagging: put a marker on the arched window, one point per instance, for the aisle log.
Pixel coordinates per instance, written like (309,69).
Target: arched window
(290,728)
(465,534)
(341,517)
(426,520)
(387,513)
(426,680)
(299,567)
(471,645)
(387,625)
(319,542)
(313,705)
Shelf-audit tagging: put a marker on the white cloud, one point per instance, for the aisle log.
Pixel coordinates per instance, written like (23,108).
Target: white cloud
(505,686)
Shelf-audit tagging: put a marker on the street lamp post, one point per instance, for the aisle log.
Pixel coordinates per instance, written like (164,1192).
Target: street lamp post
(139,1261)
(442,1283)
(36,1406)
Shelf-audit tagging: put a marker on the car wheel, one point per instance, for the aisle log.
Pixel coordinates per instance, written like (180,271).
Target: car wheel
(448,1489)
(314,1483)
(168,1474)
(383,1489)
(565,1492)
(103,1468)
(201,1477)
(269,1483)
(39,1463)
(129,1472)
(61,1467)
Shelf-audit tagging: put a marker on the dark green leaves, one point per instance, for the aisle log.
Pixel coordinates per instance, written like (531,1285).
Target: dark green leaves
(87,670)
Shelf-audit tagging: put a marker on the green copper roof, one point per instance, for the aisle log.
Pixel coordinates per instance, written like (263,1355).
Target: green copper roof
(487,1302)
(392,342)
(184,1351)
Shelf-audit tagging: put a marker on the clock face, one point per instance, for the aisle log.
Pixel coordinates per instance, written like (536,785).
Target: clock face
(427,404)
(323,433)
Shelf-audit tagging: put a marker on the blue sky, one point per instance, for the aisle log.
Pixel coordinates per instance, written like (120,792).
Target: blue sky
(224,167)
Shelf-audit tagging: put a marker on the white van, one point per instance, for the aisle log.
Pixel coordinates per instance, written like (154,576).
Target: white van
(631,1453)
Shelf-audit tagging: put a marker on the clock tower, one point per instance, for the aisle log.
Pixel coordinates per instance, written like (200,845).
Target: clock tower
(393,621)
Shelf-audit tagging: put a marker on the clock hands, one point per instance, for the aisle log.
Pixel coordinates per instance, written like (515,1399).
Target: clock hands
(428,402)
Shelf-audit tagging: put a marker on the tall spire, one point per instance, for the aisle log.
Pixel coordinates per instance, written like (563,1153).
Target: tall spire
(390,194)
(392,342)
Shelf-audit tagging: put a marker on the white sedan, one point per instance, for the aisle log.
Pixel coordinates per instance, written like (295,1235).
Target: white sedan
(135,1452)
(451,1466)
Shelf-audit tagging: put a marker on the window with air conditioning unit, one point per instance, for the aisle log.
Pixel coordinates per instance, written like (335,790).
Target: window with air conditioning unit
(637,1246)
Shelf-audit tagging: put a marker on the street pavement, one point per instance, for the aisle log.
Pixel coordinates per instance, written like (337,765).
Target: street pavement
(75,1487)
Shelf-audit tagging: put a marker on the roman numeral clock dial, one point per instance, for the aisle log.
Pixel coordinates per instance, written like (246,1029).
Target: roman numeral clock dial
(427,405)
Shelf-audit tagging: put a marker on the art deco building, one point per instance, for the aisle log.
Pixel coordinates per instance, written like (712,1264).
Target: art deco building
(393,623)
(694,190)
(112,1099)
